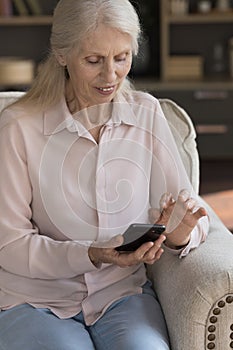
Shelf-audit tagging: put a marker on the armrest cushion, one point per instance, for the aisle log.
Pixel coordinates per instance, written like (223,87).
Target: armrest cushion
(189,288)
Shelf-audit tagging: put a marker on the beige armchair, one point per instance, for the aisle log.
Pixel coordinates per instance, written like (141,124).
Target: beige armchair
(196,292)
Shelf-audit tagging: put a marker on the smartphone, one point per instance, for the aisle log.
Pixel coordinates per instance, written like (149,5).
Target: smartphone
(137,234)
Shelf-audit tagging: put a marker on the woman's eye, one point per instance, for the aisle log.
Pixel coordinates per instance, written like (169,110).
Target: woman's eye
(93,60)
(121,58)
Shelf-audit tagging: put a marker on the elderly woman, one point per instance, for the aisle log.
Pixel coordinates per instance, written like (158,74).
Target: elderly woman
(87,156)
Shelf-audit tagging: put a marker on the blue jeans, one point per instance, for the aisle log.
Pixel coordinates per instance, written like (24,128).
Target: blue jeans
(132,323)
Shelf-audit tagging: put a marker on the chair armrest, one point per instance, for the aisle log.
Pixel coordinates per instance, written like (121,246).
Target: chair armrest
(189,290)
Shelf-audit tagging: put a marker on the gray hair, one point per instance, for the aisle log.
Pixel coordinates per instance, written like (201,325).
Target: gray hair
(72,21)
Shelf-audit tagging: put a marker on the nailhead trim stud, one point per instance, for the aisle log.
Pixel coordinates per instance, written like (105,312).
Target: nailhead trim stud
(213,319)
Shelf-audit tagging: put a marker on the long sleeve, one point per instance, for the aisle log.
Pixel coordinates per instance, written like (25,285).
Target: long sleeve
(23,249)
(169,175)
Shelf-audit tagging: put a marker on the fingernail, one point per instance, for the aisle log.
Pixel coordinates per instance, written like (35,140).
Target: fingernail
(190,205)
(164,204)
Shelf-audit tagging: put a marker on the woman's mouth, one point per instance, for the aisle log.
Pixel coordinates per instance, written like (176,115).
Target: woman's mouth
(106,90)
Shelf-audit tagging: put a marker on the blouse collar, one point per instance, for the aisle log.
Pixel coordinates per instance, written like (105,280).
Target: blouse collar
(59,117)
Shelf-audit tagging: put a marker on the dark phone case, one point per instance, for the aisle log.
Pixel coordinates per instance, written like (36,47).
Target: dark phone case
(144,232)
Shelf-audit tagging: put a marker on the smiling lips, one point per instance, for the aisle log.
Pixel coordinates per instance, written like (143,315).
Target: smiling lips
(106,90)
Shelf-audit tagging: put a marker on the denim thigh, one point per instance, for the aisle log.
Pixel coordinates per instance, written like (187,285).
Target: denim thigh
(26,328)
(132,323)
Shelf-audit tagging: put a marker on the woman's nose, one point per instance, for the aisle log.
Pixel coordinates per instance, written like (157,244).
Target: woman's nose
(109,72)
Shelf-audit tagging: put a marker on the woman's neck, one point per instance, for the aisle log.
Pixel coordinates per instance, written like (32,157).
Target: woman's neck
(93,117)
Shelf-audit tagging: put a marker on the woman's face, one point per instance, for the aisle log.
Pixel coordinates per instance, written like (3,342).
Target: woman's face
(99,67)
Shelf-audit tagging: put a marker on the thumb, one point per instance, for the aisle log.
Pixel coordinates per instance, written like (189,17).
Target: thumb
(199,213)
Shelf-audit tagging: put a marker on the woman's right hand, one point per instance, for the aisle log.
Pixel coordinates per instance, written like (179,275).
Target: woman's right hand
(148,253)
(179,216)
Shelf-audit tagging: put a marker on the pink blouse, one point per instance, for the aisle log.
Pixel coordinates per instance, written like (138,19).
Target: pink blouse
(61,191)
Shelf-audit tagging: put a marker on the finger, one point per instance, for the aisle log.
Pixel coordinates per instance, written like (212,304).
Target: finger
(151,254)
(160,240)
(185,204)
(156,247)
(141,251)
(200,213)
(190,204)
(184,195)
(150,251)
(155,258)
(166,200)
(128,259)
(156,251)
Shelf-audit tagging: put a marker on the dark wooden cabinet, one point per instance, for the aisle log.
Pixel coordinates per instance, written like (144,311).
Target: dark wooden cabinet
(211,111)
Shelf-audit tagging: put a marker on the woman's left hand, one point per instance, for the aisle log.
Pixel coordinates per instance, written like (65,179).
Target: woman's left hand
(147,253)
(180,217)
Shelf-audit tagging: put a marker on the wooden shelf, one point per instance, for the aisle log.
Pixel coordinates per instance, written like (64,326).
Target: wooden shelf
(169,25)
(213,17)
(25,20)
(153,84)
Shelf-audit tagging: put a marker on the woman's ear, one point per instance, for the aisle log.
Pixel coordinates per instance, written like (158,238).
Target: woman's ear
(61,59)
